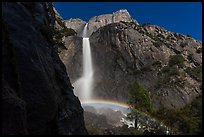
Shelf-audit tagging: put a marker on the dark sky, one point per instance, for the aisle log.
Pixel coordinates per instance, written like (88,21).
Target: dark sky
(181,17)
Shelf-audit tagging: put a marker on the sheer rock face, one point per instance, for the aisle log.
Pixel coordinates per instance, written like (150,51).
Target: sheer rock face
(122,55)
(37,96)
(72,56)
(102,20)
(99,21)
(125,52)
(75,24)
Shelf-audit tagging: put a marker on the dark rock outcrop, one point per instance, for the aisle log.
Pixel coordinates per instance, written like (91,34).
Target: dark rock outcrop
(167,64)
(37,96)
(73,55)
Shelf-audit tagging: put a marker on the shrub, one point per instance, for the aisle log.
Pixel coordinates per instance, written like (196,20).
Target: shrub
(157,39)
(163,82)
(145,24)
(149,34)
(146,68)
(133,23)
(60,22)
(93,131)
(136,72)
(140,98)
(54,36)
(195,72)
(126,23)
(174,71)
(165,69)
(167,72)
(161,36)
(157,43)
(64,32)
(187,120)
(189,35)
(183,44)
(68,32)
(190,56)
(157,63)
(176,60)
(199,50)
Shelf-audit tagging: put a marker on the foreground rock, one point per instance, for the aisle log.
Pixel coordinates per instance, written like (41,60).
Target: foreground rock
(37,96)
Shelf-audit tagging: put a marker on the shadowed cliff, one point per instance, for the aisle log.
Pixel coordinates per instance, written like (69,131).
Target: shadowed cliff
(37,96)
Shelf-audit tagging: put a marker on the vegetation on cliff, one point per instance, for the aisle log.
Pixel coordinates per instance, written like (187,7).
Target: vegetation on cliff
(187,120)
(195,72)
(139,98)
(55,36)
(176,60)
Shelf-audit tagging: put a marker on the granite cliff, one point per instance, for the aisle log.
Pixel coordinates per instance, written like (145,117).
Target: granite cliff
(166,63)
(97,22)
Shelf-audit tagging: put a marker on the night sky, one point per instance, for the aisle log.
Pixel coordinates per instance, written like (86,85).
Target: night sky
(180,17)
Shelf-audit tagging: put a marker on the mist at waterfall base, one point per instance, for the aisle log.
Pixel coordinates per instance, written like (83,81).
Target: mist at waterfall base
(106,113)
(112,115)
(84,85)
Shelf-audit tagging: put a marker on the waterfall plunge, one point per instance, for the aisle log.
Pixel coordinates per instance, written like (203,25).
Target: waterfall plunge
(83,86)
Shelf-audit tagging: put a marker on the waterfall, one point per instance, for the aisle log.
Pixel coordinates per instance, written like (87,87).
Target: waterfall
(83,86)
